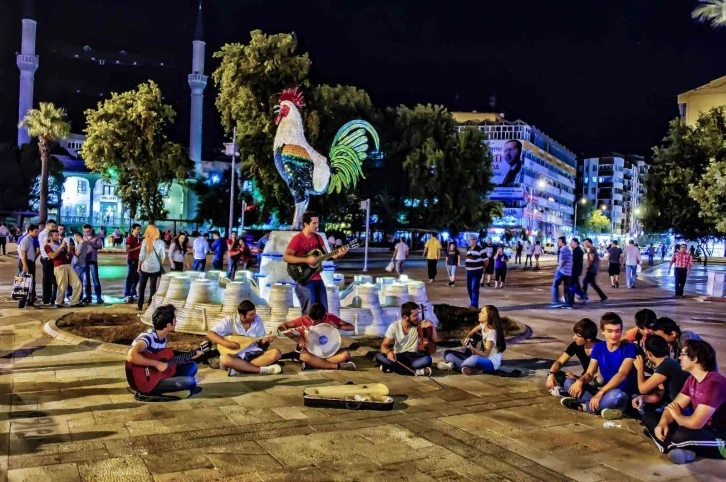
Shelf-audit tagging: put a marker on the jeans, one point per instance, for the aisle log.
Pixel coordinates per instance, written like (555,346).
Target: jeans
(561,278)
(132,277)
(518,258)
(413,360)
(528,258)
(92,272)
(590,280)
(144,277)
(399,266)
(199,264)
(3,242)
(50,287)
(431,265)
(650,260)
(217,265)
(232,267)
(311,292)
(464,359)
(614,398)
(473,278)
(81,272)
(574,289)
(32,297)
(631,273)
(681,275)
(451,270)
(183,379)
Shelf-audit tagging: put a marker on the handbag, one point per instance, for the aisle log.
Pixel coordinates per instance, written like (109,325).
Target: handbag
(390,266)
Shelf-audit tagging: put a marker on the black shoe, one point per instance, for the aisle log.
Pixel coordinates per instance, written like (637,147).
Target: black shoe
(99,301)
(572,404)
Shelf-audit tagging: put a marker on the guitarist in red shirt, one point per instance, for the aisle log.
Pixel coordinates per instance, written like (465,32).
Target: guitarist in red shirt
(297,251)
(153,341)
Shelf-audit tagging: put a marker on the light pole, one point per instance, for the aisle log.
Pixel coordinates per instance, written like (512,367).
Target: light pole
(231,150)
(574,227)
(612,229)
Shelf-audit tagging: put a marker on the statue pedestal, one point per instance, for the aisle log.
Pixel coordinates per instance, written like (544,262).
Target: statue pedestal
(273,268)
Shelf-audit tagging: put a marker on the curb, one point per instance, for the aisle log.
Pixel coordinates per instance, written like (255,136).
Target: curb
(52,330)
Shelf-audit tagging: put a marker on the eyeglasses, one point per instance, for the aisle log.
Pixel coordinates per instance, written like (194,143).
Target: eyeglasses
(683,353)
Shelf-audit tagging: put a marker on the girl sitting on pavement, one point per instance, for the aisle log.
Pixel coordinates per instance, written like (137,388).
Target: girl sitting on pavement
(472,361)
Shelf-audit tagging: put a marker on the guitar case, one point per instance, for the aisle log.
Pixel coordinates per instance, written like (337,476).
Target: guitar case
(372,396)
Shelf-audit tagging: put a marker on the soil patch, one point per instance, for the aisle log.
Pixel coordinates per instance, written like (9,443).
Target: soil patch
(119,328)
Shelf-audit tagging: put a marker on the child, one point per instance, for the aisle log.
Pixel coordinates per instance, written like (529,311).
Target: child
(558,380)
(500,268)
(452,261)
(472,361)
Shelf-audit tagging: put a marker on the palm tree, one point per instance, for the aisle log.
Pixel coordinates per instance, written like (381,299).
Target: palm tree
(48,124)
(711,11)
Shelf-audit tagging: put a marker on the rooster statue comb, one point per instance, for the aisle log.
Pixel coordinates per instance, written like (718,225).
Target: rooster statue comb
(305,171)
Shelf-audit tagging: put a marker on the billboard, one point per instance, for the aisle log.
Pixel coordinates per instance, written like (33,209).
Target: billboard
(507,163)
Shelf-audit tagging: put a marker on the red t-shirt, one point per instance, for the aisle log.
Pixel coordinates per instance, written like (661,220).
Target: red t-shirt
(306,321)
(132,242)
(59,260)
(233,247)
(710,391)
(302,245)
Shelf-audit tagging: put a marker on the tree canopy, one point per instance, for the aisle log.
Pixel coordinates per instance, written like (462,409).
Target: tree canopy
(125,140)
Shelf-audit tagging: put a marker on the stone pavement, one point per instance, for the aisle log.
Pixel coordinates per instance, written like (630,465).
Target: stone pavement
(65,413)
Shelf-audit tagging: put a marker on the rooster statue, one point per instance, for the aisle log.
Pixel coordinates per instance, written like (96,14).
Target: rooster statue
(304,170)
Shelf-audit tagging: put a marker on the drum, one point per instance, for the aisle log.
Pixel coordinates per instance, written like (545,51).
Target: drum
(323,340)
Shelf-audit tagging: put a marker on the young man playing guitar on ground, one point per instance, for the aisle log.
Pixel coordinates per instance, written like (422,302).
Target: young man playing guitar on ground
(403,350)
(302,243)
(318,315)
(255,358)
(153,341)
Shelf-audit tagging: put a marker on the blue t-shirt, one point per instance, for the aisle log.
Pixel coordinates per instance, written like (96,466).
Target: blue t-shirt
(219,246)
(609,363)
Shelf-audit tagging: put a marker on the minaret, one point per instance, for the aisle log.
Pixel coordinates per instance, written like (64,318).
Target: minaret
(197,82)
(27,63)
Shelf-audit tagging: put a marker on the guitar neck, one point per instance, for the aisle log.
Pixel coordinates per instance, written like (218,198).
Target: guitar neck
(184,357)
(329,255)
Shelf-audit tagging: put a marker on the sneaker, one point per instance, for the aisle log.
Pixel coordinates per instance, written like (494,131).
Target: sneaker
(231,372)
(611,413)
(555,305)
(99,301)
(271,369)
(558,392)
(584,301)
(681,456)
(445,366)
(431,281)
(567,307)
(127,299)
(347,366)
(562,300)
(423,372)
(195,390)
(384,369)
(572,404)
(80,304)
(304,366)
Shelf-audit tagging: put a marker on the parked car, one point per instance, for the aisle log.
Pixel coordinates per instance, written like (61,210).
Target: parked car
(550,248)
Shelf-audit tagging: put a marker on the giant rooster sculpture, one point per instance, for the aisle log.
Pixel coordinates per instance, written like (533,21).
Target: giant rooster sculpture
(304,170)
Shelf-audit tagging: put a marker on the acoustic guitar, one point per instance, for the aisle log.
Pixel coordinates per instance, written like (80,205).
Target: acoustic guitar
(302,272)
(426,343)
(145,379)
(246,341)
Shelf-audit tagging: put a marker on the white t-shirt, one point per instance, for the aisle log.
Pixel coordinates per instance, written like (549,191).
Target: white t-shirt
(632,255)
(401,251)
(537,249)
(528,248)
(232,325)
(404,343)
(491,335)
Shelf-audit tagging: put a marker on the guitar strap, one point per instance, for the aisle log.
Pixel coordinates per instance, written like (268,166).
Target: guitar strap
(320,243)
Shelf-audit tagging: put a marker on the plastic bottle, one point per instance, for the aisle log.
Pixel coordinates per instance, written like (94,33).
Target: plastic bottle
(611,425)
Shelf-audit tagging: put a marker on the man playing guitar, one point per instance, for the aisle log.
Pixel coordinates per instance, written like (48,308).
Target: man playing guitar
(402,349)
(255,358)
(153,341)
(296,252)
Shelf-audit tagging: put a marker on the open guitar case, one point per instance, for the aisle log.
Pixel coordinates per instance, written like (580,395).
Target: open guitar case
(341,396)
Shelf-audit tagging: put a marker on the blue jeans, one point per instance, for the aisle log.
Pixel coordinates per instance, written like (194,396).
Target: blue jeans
(92,272)
(413,360)
(182,380)
(464,359)
(199,264)
(473,278)
(132,278)
(232,267)
(631,273)
(311,292)
(561,279)
(217,264)
(614,398)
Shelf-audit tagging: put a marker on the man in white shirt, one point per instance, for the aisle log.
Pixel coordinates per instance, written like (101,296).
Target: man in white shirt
(527,253)
(631,257)
(50,286)
(400,253)
(255,358)
(200,246)
(399,349)
(4,233)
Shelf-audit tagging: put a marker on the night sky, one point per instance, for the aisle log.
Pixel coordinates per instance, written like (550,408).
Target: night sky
(596,76)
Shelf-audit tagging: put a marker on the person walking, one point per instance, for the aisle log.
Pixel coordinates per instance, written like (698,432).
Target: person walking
(117,237)
(233,255)
(95,244)
(4,234)
(102,234)
(651,254)
(528,249)
(684,263)
(27,254)
(562,275)
(219,247)
(400,253)
(537,250)
(452,261)
(592,267)
(49,284)
(663,250)
(177,253)
(500,268)
(577,261)
(615,259)
(474,265)
(518,253)
(432,253)
(489,251)
(151,263)
(200,247)
(631,261)
(133,246)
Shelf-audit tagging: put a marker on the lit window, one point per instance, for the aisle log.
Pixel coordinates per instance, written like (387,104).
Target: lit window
(108,190)
(81,186)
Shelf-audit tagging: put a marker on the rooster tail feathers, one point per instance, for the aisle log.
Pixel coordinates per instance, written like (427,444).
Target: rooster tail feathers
(350,148)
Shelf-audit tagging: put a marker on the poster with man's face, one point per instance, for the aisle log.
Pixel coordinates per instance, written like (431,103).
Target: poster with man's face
(506,162)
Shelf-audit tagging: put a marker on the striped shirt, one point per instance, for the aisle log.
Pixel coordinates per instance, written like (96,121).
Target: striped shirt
(565,261)
(151,262)
(153,343)
(682,260)
(474,258)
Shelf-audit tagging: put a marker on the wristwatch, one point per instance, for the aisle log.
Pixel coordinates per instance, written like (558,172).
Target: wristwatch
(550,373)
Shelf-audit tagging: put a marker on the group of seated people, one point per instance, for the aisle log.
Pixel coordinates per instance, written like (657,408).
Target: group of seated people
(666,377)
(681,405)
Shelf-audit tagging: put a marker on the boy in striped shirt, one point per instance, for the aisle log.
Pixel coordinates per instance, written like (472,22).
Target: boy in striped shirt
(475,263)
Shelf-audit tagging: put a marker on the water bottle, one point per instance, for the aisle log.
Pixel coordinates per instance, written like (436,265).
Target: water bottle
(611,425)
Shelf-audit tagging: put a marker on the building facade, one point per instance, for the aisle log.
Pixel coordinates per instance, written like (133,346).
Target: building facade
(695,102)
(615,184)
(534,175)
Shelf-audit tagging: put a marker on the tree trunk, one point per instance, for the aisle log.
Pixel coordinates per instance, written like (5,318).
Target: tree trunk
(44,147)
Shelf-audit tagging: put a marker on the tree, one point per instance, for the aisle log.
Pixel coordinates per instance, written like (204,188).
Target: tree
(711,194)
(448,174)
(48,124)
(596,222)
(125,140)
(710,11)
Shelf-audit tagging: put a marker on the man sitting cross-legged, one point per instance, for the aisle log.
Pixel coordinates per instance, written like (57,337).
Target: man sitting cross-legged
(400,344)
(582,343)
(703,432)
(614,358)
(255,358)
(153,341)
(316,316)
(666,382)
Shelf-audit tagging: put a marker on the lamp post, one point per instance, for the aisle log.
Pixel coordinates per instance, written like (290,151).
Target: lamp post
(231,150)
(574,227)
(612,229)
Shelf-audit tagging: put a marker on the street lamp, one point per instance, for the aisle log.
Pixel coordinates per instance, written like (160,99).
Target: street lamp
(612,229)
(574,228)
(231,150)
